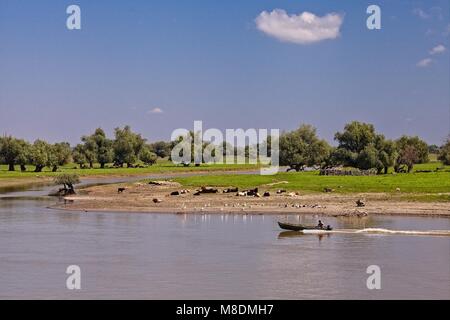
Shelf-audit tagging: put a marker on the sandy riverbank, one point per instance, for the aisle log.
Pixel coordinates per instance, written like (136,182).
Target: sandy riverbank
(138,197)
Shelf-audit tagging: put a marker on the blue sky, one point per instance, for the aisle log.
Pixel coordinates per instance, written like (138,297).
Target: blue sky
(207,60)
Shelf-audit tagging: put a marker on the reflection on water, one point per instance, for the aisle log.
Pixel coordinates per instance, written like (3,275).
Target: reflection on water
(295,234)
(43,189)
(155,256)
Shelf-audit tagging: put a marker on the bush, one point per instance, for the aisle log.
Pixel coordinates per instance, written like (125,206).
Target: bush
(444,154)
(147,156)
(68,181)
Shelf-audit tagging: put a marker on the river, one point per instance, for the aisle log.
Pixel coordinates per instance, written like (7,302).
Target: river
(165,256)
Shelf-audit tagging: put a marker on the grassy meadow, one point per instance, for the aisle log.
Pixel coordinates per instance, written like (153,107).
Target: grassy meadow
(417,182)
(424,183)
(164,167)
(8,178)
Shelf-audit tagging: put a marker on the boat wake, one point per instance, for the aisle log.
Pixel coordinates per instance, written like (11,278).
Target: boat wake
(406,232)
(382,231)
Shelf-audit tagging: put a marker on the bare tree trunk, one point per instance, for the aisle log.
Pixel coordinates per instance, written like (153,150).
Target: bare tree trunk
(71,189)
(11,167)
(23,168)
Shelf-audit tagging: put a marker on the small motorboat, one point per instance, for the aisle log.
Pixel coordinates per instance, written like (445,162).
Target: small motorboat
(301,227)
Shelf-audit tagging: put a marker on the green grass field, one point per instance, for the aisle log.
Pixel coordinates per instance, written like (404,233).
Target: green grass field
(163,166)
(426,182)
(417,182)
(160,167)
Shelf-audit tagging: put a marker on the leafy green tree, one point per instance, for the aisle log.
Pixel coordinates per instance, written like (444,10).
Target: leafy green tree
(40,155)
(97,147)
(356,136)
(127,146)
(60,154)
(411,150)
(387,153)
(147,156)
(23,158)
(368,158)
(444,154)
(161,148)
(433,149)
(79,156)
(361,147)
(302,147)
(353,140)
(13,151)
(341,156)
(89,150)
(408,156)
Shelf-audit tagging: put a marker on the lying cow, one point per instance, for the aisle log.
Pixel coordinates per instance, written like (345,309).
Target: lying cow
(252,192)
(249,193)
(177,193)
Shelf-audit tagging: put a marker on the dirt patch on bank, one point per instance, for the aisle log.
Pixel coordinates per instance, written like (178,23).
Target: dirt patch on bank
(156,197)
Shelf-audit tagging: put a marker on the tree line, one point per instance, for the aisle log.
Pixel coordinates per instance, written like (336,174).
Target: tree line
(358,146)
(127,148)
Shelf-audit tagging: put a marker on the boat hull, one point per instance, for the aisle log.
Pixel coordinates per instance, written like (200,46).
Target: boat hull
(299,227)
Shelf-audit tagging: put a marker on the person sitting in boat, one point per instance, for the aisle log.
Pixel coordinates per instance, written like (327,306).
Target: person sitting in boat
(320,225)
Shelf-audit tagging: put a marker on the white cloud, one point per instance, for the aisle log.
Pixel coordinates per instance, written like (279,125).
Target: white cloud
(421,13)
(303,28)
(438,49)
(424,62)
(155,111)
(433,12)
